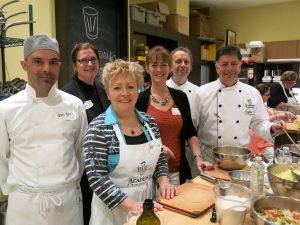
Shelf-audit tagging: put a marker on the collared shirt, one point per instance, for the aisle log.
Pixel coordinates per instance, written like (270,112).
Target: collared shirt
(224,114)
(41,139)
(189,88)
(101,150)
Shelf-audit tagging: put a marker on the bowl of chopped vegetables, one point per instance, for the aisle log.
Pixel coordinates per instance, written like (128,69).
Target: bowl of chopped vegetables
(276,210)
(282,180)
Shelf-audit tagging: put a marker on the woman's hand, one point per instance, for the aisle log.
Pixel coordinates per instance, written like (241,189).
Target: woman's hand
(203,165)
(167,190)
(168,152)
(285,116)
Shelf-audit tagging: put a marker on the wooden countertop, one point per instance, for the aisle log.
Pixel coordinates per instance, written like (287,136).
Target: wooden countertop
(292,128)
(173,218)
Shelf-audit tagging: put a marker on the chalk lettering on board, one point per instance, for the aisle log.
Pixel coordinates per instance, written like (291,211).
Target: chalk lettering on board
(90,16)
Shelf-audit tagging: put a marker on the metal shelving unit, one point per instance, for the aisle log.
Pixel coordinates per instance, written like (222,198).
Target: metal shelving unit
(7,42)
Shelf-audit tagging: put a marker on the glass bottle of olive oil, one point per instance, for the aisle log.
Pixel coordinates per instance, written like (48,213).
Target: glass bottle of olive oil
(148,217)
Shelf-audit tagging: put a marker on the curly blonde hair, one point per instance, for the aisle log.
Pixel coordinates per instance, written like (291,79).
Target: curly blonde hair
(119,67)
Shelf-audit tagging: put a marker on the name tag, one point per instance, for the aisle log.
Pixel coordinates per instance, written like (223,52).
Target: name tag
(68,115)
(88,104)
(175,112)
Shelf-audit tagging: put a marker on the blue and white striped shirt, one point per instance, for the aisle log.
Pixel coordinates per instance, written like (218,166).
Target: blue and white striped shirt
(101,151)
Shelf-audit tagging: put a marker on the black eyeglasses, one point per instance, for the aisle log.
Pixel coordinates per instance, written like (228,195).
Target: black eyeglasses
(86,61)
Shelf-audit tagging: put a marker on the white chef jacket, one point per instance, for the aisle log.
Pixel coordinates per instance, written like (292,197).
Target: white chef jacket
(41,139)
(224,114)
(189,88)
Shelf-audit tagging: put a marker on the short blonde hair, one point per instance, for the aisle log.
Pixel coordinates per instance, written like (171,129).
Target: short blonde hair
(119,67)
(289,76)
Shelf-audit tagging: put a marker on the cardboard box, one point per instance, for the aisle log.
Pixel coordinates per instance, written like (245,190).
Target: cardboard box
(204,53)
(282,49)
(208,52)
(199,23)
(138,13)
(152,18)
(178,23)
(258,54)
(159,7)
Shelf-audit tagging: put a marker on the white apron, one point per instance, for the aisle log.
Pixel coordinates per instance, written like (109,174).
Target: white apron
(133,175)
(45,206)
(290,100)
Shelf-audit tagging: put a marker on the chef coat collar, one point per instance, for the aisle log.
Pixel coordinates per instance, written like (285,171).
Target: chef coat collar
(173,84)
(32,94)
(111,117)
(228,88)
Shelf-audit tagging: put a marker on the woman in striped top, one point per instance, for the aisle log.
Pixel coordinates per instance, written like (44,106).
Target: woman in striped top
(123,150)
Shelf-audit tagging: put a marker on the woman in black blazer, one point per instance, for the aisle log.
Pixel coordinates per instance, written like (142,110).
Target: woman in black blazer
(171,110)
(84,85)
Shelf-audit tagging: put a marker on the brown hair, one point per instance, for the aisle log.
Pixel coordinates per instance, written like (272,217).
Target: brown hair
(82,45)
(289,76)
(158,52)
(119,67)
(262,88)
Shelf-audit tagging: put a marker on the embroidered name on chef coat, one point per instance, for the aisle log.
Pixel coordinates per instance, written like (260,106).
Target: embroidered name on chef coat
(249,107)
(68,115)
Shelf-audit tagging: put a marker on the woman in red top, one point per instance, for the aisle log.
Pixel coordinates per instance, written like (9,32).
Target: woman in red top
(170,108)
(257,144)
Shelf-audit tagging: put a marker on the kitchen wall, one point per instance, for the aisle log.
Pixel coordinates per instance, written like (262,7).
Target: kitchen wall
(275,22)
(43,14)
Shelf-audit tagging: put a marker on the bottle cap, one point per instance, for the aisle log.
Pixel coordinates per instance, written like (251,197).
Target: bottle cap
(148,204)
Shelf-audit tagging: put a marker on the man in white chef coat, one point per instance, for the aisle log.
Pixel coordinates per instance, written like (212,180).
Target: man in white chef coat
(226,108)
(41,136)
(181,66)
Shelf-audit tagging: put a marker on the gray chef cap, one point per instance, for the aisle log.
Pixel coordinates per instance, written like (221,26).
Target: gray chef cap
(40,41)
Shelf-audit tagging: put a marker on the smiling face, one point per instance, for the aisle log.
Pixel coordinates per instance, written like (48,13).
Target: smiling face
(181,64)
(158,69)
(228,68)
(86,65)
(123,93)
(42,67)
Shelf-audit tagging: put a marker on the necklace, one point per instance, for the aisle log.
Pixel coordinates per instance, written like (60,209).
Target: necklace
(163,102)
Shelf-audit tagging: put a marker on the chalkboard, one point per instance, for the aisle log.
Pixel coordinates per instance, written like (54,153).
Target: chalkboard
(102,23)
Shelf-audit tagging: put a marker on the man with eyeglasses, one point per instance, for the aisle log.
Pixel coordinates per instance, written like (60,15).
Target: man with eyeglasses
(282,96)
(41,136)
(226,108)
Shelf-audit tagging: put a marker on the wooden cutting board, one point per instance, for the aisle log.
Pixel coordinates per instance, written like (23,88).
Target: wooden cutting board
(193,199)
(219,173)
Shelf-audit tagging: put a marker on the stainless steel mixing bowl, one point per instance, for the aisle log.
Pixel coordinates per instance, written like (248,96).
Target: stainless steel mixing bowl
(231,157)
(282,186)
(278,202)
(241,177)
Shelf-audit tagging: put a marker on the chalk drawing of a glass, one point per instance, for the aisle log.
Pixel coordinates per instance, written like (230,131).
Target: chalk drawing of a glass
(90,16)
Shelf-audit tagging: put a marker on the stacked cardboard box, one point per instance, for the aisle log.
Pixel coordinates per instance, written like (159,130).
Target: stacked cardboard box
(199,22)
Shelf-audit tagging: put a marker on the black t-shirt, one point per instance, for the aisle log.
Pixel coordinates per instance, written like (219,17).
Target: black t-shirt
(277,95)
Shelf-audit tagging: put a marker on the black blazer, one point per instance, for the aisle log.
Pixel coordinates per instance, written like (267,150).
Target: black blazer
(73,88)
(188,129)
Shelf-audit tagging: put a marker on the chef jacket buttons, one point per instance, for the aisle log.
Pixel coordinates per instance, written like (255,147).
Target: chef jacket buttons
(239,106)
(190,91)
(220,106)
(220,90)
(237,121)
(220,121)
(219,137)
(240,90)
(235,138)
